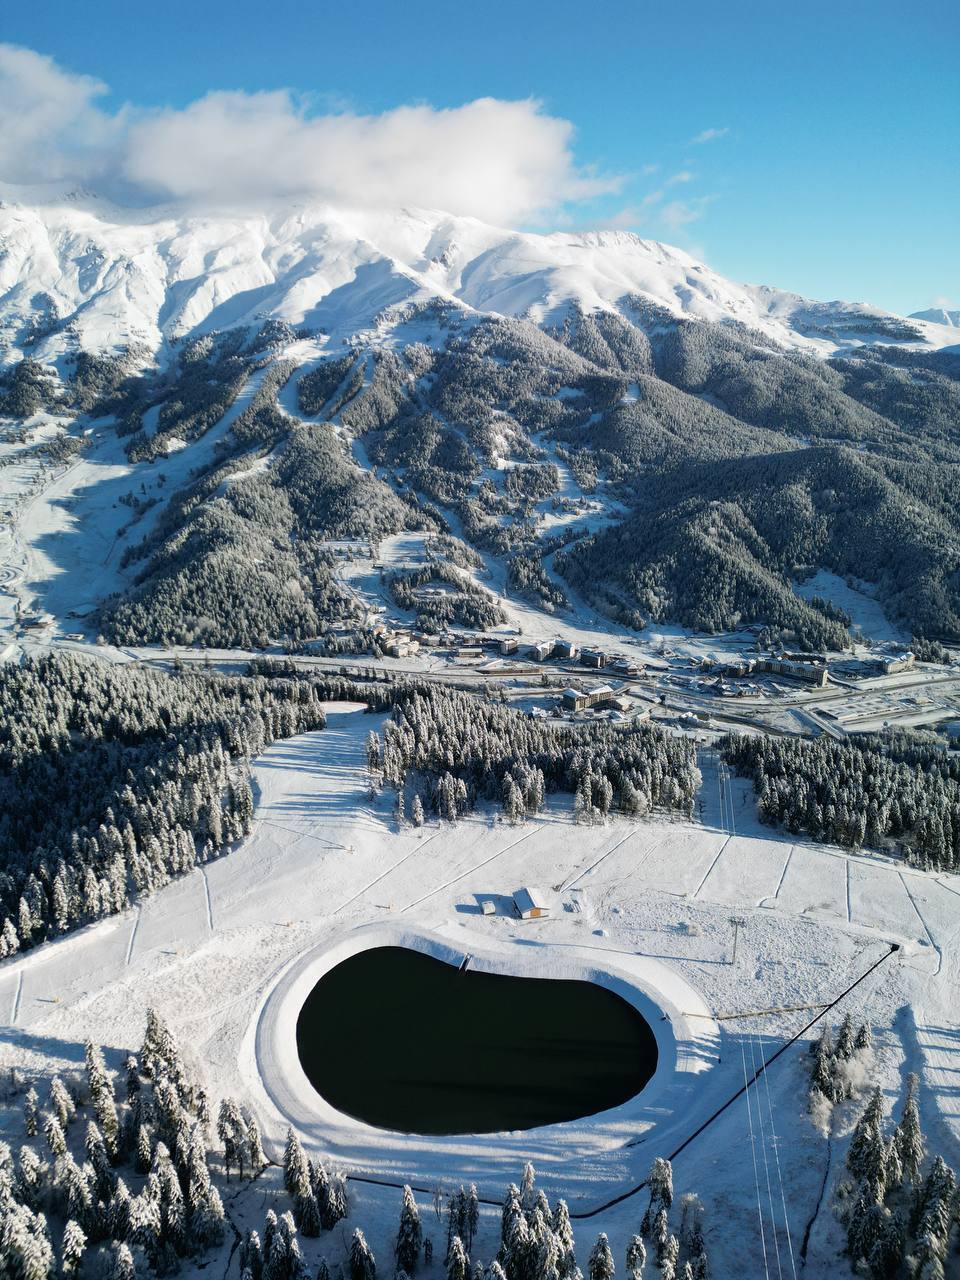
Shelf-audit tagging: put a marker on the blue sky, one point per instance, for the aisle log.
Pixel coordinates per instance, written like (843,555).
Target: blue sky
(833,167)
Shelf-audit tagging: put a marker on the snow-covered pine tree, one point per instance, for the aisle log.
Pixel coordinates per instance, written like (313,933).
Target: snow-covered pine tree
(31,1176)
(636,1258)
(207,1218)
(251,1255)
(307,1215)
(54,1137)
(255,1152)
(845,1039)
(667,1257)
(122,1265)
(72,1248)
(601,1265)
(910,1143)
(661,1182)
(31,1112)
(409,1234)
(660,1232)
(563,1228)
(363,1265)
(528,1188)
(232,1132)
(458,1264)
(886,1254)
(472,1216)
(296,1175)
(64,1108)
(143,1153)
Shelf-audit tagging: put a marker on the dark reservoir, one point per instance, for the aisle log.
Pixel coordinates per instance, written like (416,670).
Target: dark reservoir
(404,1041)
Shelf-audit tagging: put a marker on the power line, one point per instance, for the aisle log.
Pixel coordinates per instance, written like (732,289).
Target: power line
(756,1170)
(783,1196)
(766,1161)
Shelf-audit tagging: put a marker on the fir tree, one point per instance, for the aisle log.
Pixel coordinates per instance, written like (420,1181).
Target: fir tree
(458,1264)
(909,1137)
(72,1248)
(63,1105)
(601,1266)
(31,1112)
(867,1137)
(636,1258)
(296,1176)
(123,1266)
(409,1235)
(255,1152)
(362,1263)
(528,1188)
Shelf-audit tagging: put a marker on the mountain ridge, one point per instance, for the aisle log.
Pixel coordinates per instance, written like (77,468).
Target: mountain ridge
(84,274)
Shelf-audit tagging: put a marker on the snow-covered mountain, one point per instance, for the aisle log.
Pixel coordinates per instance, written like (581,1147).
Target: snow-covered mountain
(938,315)
(79,272)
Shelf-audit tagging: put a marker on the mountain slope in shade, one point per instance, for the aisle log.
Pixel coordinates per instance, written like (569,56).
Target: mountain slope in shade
(81,273)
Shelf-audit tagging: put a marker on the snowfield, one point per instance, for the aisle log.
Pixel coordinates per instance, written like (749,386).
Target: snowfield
(106,278)
(227,954)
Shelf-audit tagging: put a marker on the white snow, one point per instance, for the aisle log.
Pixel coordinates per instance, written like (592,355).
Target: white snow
(857,600)
(226,953)
(116,278)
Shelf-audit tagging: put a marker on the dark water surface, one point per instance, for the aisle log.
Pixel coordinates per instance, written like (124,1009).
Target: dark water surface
(404,1041)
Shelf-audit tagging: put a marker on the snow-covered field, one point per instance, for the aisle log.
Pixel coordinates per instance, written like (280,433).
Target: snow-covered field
(325,871)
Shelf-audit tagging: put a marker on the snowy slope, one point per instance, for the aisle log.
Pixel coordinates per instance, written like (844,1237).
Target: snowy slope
(938,315)
(79,272)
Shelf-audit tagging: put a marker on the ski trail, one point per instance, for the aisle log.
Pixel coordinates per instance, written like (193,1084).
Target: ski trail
(956,892)
(772,897)
(923,923)
(470,870)
(383,875)
(133,934)
(568,884)
(308,835)
(712,865)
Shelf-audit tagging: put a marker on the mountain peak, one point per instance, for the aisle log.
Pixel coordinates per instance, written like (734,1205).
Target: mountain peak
(80,273)
(938,315)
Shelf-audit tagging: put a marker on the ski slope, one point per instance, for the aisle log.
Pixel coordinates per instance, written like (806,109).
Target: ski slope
(324,870)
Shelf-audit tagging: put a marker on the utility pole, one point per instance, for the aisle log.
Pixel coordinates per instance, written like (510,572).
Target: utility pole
(738,923)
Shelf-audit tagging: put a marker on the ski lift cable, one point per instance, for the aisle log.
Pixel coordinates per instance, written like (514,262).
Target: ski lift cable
(783,1196)
(756,1170)
(766,1159)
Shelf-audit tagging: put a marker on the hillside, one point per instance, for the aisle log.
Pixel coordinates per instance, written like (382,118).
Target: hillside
(588,406)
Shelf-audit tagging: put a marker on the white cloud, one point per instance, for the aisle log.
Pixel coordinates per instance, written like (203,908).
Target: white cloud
(683,176)
(51,128)
(680,213)
(708,135)
(500,161)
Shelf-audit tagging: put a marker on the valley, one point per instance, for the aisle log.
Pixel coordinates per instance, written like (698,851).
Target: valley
(389,566)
